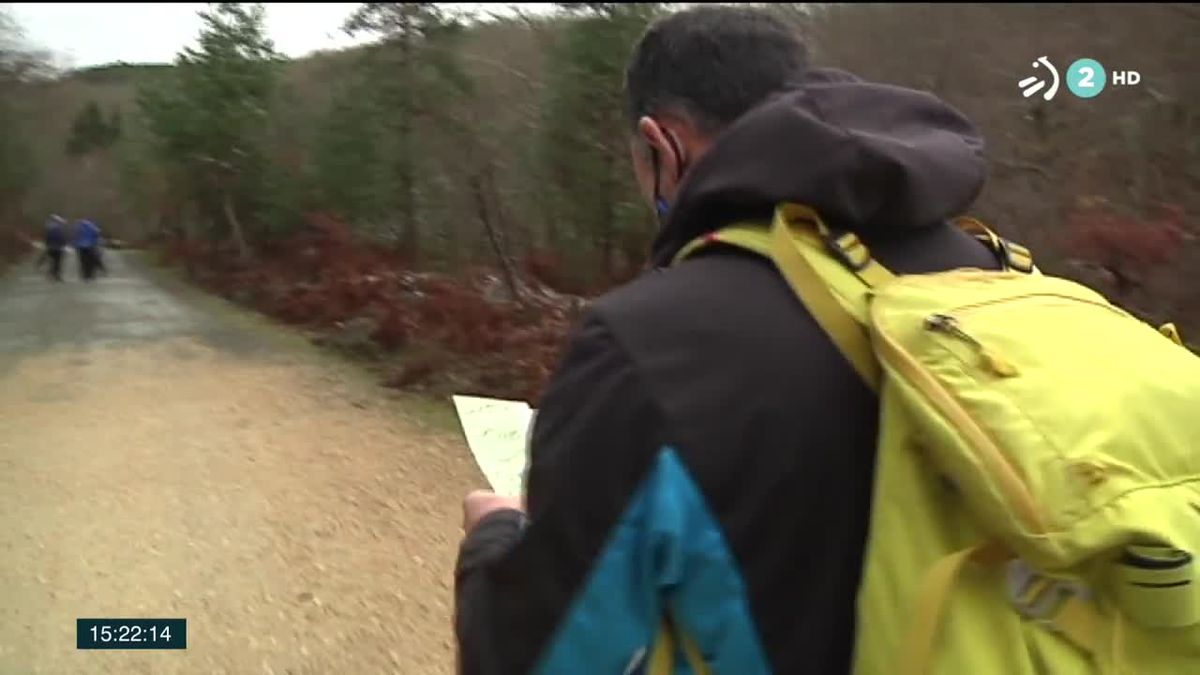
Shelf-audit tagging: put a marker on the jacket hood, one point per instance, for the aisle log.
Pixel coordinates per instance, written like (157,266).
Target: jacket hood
(866,156)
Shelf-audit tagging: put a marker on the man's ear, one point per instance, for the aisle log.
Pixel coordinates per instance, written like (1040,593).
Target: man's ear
(668,149)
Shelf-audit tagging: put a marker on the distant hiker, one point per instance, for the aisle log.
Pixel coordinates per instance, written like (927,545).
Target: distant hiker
(87,247)
(55,241)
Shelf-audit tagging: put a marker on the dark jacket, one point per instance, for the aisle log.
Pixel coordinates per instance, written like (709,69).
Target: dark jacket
(56,238)
(704,448)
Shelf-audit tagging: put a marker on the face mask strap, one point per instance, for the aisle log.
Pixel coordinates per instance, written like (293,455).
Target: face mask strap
(660,203)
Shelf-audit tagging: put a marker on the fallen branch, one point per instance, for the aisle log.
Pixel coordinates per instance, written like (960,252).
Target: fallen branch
(1018,165)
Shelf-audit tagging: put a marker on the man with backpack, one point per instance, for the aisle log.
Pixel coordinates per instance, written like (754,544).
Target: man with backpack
(749,459)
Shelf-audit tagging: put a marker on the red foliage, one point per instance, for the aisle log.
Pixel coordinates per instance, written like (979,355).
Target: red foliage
(543,267)
(323,278)
(1126,247)
(395,328)
(550,270)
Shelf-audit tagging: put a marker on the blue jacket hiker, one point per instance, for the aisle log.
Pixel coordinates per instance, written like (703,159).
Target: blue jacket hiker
(87,247)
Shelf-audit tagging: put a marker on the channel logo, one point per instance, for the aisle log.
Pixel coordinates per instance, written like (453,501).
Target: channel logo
(1033,84)
(1085,78)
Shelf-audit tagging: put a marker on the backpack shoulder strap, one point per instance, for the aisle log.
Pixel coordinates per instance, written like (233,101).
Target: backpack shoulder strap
(789,242)
(1012,256)
(805,250)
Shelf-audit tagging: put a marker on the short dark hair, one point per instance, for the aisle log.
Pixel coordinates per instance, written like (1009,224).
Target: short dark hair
(713,63)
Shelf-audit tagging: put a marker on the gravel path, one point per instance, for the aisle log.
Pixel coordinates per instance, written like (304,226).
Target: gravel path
(165,455)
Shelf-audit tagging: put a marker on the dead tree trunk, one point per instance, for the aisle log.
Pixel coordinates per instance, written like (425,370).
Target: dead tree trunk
(487,208)
(235,226)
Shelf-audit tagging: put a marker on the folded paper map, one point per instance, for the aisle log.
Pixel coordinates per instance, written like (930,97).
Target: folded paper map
(497,432)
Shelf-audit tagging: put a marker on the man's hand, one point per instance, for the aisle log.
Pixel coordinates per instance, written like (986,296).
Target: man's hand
(479,503)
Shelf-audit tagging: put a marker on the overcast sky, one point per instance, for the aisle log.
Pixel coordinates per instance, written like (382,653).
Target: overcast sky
(83,34)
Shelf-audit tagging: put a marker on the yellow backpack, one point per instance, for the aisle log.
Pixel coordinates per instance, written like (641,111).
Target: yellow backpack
(1037,498)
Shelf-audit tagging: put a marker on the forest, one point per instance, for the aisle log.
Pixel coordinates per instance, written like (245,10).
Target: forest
(444,200)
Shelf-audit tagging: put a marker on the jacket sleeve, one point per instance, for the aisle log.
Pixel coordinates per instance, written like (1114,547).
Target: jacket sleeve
(569,588)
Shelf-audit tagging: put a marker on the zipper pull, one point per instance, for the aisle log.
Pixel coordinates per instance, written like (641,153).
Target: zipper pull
(997,364)
(990,359)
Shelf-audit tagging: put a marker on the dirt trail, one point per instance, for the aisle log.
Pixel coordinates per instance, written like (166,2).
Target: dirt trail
(165,455)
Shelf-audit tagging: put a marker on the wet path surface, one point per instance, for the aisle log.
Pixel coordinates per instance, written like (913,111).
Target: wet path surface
(165,455)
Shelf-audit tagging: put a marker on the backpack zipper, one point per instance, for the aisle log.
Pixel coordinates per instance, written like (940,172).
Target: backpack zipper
(990,359)
(987,451)
(973,307)
(950,323)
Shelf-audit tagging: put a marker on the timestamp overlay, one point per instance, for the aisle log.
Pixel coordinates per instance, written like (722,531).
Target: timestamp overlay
(131,633)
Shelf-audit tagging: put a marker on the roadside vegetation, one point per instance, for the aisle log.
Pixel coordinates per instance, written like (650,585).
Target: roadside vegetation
(447,197)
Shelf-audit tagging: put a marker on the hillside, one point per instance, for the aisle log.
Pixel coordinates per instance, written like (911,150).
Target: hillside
(92,185)
(501,57)
(502,144)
